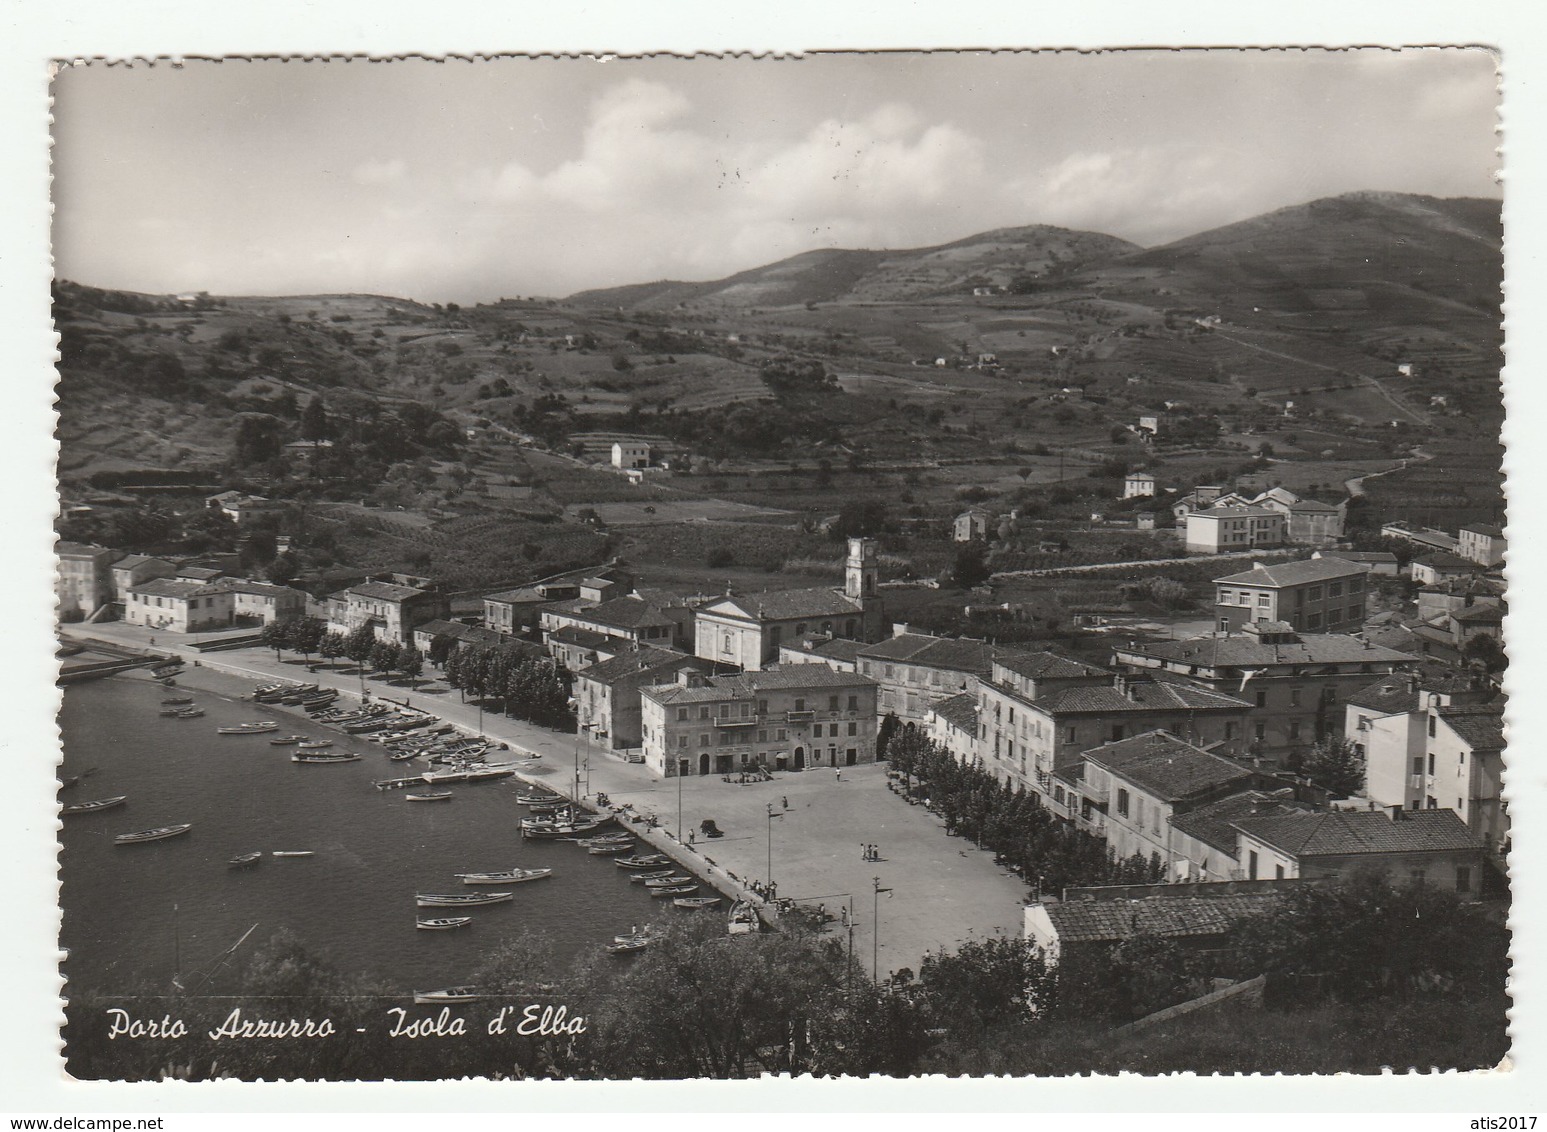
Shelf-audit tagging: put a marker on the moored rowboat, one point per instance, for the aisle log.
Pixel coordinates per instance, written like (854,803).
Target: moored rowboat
(695,903)
(94,807)
(328,758)
(245,860)
(443,923)
(651,861)
(295,852)
(256,728)
(434,796)
(510,876)
(462,899)
(160,834)
(674,890)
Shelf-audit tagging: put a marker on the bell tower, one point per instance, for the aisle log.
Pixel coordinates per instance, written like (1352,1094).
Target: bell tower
(859,584)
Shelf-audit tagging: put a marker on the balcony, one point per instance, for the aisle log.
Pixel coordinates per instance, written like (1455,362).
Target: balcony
(799,716)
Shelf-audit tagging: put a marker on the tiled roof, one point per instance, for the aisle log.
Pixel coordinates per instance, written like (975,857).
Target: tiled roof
(585,638)
(1382,556)
(1478,614)
(633,661)
(199,573)
(1391,696)
(625,613)
(1092,921)
(173,587)
(1047,666)
(1243,650)
(958,655)
(383,591)
(1343,833)
(1481,726)
(960,711)
(130,561)
(524,596)
(1234,511)
(1312,505)
(1167,767)
(786,605)
(1303,572)
(1487,529)
(1444,560)
(750,683)
(1143,696)
(1214,824)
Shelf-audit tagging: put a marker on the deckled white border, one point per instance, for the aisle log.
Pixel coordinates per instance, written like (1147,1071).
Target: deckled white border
(30,1079)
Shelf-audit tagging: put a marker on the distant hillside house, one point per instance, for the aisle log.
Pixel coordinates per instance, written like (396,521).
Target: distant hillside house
(630,454)
(1138,484)
(239,507)
(971,524)
(391,609)
(748,630)
(1220,529)
(83,582)
(179,606)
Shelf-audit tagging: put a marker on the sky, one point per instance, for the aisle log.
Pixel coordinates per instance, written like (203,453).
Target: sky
(469,181)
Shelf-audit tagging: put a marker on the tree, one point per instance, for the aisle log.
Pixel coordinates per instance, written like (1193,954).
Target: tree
(410,662)
(358,644)
(1336,766)
(384,655)
(283,569)
(259,438)
(332,646)
(275,635)
(1485,651)
(315,424)
(306,635)
(971,566)
(884,732)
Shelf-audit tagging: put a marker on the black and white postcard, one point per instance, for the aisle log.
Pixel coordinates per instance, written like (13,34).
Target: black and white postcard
(851,565)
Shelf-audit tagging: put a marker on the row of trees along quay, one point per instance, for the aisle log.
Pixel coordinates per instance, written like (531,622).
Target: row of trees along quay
(533,688)
(1024,835)
(1380,975)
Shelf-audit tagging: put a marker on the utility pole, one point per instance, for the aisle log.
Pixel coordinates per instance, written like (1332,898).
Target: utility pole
(681,840)
(771,816)
(875,921)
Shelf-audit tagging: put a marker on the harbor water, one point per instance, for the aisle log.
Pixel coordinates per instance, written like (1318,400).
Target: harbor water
(144,914)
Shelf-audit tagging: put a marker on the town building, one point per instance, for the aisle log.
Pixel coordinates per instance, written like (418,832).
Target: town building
(1143,781)
(133,569)
(1030,726)
(953,724)
(1435,740)
(1426,537)
(915,669)
(1199,916)
(632,619)
(1137,485)
(391,606)
(784,719)
(262,603)
(1313,595)
(1381,562)
(1204,496)
(1441,566)
(970,525)
(1295,683)
(607,694)
(191,572)
(838,653)
(575,648)
(1205,843)
(747,630)
(178,605)
(436,640)
(240,507)
(515,612)
(1307,521)
(1482,543)
(1432,846)
(1220,529)
(1447,635)
(83,582)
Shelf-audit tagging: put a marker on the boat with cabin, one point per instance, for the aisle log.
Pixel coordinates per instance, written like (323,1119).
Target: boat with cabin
(449,995)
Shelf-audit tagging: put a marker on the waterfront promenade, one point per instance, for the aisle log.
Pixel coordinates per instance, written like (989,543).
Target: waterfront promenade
(943,888)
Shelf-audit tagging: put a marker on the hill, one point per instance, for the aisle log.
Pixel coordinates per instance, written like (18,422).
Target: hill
(837,275)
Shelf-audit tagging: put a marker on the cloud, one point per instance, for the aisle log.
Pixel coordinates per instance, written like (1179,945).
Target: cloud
(379,172)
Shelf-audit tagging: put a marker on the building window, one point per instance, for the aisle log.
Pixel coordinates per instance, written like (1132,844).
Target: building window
(1251,865)
(1431,726)
(725,710)
(832,703)
(1262,601)
(1334,589)
(703,712)
(853,703)
(762,736)
(853,728)
(1262,697)
(1294,729)
(1463,879)
(682,714)
(1230,731)
(1294,697)
(682,740)
(1122,803)
(762,707)
(1313,621)
(816,731)
(800,705)
(1278,872)
(703,740)
(746,711)
(1314,594)
(1261,731)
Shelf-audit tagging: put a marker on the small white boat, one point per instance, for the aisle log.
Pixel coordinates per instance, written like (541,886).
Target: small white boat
(286,740)
(259,727)
(295,852)
(434,796)
(462,899)
(328,757)
(443,923)
(160,834)
(313,744)
(509,876)
(450,994)
(245,860)
(695,903)
(94,807)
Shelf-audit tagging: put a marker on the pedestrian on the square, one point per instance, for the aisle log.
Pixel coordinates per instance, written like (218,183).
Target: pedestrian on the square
(837,774)
(786,803)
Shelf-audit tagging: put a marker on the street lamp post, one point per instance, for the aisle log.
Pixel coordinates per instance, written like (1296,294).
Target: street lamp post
(875,921)
(681,839)
(771,816)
